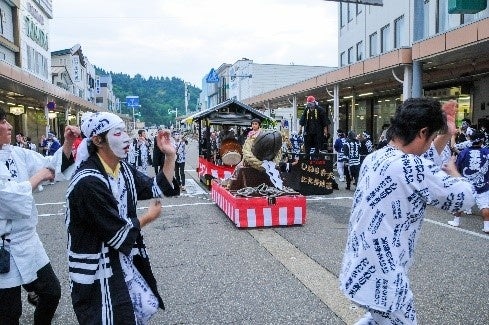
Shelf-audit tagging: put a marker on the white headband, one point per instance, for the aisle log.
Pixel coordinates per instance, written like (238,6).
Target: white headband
(94,124)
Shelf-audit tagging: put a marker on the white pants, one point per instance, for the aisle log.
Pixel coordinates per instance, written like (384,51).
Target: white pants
(339,168)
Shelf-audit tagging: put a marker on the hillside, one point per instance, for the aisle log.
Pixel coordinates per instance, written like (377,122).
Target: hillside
(157,95)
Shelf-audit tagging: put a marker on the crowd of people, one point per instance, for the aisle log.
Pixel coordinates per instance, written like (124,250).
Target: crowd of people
(423,160)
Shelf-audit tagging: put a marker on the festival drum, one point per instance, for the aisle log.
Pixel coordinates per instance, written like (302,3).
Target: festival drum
(230,152)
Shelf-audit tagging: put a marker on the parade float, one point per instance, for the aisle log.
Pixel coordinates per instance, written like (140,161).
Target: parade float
(243,178)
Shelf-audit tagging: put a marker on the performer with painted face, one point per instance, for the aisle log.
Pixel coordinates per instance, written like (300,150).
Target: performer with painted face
(111,278)
(395,185)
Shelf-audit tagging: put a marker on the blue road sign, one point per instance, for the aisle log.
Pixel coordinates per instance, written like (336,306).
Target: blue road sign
(212,77)
(132,101)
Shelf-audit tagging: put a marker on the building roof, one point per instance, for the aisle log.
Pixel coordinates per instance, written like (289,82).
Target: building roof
(231,112)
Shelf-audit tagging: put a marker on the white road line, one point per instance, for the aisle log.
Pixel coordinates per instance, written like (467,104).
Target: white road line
(481,235)
(139,208)
(313,276)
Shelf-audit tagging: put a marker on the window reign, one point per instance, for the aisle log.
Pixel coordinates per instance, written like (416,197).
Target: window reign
(399,32)
(384,35)
(373,44)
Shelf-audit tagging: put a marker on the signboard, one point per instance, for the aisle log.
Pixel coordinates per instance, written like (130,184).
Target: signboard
(132,101)
(212,77)
(362,2)
(76,69)
(311,177)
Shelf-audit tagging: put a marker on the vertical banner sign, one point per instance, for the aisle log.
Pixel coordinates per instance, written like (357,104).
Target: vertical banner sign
(76,69)
(97,85)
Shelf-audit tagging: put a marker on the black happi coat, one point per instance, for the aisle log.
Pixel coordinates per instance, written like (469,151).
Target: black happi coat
(96,235)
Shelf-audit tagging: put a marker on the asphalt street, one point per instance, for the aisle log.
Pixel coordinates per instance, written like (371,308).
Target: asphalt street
(210,272)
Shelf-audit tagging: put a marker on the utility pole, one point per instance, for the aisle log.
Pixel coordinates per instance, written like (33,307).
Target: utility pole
(185,85)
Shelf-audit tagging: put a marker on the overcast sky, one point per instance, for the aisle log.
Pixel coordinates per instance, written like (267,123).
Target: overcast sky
(186,38)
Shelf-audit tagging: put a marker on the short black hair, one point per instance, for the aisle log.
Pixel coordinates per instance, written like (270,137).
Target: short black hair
(256,120)
(3,115)
(415,114)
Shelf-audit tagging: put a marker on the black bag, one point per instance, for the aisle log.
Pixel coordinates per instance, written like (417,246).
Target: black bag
(4,258)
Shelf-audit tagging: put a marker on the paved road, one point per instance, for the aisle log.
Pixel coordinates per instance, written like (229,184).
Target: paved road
(210,272)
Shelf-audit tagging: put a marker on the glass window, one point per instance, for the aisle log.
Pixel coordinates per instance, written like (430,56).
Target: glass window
(426,19)
(359,9)
(351,58)
(399,32)
(373,44)
(343,14)
(384,36)
(350,12)
(441,16)
(360,51)
(342,59)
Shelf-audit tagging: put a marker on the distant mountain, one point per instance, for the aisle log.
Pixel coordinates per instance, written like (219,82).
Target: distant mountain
(157,95)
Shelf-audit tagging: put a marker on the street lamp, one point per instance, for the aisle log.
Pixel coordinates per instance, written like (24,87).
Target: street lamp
(174,111)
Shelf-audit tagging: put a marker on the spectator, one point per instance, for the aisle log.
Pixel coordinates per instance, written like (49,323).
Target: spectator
(395,186)
(27,263)
(51,144)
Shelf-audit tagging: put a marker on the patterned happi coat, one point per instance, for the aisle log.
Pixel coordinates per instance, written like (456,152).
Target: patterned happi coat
(385,222)
(100,227)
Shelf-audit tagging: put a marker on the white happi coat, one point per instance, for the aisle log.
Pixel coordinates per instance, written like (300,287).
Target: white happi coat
(388,210)
(18,215)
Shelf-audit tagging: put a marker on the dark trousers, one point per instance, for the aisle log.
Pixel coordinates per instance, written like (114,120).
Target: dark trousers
(351,171)
(180,173)
(313,141)
(46,286)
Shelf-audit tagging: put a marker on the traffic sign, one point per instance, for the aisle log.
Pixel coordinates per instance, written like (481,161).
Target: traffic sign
(212,77)
(132,101)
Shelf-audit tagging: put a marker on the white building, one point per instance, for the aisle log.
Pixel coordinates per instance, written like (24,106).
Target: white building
(34,43)
(104,93)
(403,49)
(245,79)
(80,70)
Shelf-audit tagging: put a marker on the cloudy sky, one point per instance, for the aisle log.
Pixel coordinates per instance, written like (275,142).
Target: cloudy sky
(186,38)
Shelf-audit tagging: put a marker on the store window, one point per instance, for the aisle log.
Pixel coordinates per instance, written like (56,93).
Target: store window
(342,59)
(383,110)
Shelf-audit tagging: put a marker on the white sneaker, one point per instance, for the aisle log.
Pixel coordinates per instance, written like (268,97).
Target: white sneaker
(342,179)
(486,231)
(453,223)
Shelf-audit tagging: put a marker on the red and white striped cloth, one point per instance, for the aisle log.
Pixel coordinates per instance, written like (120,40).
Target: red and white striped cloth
(254,212)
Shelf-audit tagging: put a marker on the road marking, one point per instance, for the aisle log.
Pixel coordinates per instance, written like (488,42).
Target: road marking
(192,188)
(139,208)
(313,276)
(481,235)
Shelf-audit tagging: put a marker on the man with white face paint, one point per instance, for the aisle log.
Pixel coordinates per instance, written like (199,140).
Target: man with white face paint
(110,273)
